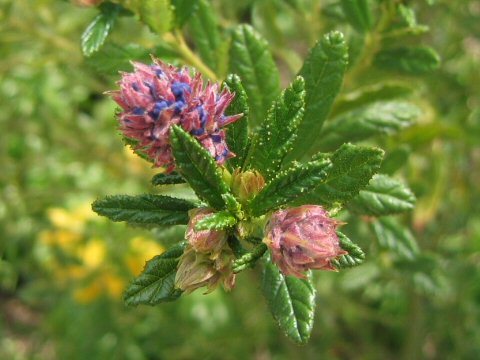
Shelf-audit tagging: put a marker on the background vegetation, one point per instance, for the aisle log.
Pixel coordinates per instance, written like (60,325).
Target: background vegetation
(63,269)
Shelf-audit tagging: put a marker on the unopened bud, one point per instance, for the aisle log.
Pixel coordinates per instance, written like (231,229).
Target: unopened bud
(205,241)
(247,184)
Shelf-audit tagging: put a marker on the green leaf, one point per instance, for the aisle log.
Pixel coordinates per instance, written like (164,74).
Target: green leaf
(112,58)
(358,14)
(289,185)
(291,302)
(96,33)
(383,196)
(352,168)
(198,167)
(368,94)
(395,160)
(205,34)
(156,283)
(374,119)
(278,132)
(391,235)
(167,179)
(249,259)
(409,60)
(355,255)
(251,59)
(323,73)
(156,14)
(237,132)
(217,221)
(183,10)
(144,209)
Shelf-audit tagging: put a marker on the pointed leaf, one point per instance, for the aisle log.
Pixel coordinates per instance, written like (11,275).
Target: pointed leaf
(288,186)
(217,221)
(355,255)
(198,167)
(183,10)
(409,60)
(113,58)
(167,179)
(250,58)
(237,132)
(144,209)
(391,235)
(279,130)
(352,168)
(323,73)
(156,283)
(383,196)
(374,119)
(358,14)
(157,14)
(291,302)
(96,33)
(205,34)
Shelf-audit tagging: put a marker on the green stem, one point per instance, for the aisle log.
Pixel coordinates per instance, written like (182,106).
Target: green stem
(177,41)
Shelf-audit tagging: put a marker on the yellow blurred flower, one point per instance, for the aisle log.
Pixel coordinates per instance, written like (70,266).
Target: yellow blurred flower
(143,249)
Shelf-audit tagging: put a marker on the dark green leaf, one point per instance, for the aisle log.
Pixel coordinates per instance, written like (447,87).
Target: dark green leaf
(374,119)
(156,14)
(249,259)
(144,209)
(183,10)
(323,73)
(291,301)
(279,130)
(358,14)
(408,60)
(112,58)
(156,283)
(237,133)
(198,167)
(391,235)
(96,33)
(288,186)
(216,221)
(167,179)
(250,58)
(205,34)
(355,255)
(352,168)
(383,196)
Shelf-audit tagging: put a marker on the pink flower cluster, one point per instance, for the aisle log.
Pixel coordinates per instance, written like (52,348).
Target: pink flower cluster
(155,97)
(303,238)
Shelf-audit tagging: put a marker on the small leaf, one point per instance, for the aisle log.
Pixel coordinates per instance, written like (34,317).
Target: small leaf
(156,14)
(383,196)
(249,259)
(184,9)
(352,168)
(96,33)
(144,209)
(216,221)
(408,60)
(391,235)
(156,283)
(237,132)
(167,179)
(291,302)
(251,59)
(112,58)
(358,14)
(323,73)
(289,185)
(279,130)
(374,119)
(198,167)
(205,34)
(355,255)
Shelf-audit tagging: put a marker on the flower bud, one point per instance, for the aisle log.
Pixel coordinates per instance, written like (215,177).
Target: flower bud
(196,270)
(247,184)
(303,238)
(204,241)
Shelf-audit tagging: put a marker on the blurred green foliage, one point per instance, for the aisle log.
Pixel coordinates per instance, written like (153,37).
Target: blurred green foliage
(62,270)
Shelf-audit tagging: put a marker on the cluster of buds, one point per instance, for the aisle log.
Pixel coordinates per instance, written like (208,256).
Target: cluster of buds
(207,261)
(303,238)
(155,97)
